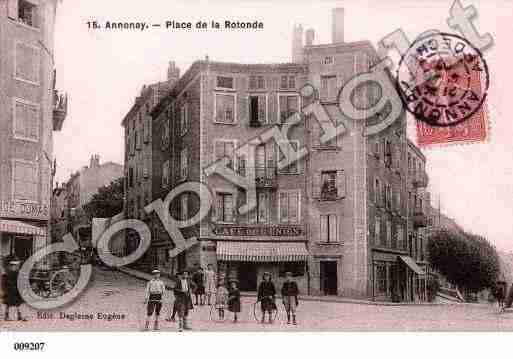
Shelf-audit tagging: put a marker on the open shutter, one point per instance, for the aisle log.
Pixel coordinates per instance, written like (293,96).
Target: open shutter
(341,184)
(316,185)
(215,208)
(243,103)
(262,118)
(324,228)
(12,9)
(333,228)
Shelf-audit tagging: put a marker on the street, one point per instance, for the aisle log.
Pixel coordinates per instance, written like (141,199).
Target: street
(114,302)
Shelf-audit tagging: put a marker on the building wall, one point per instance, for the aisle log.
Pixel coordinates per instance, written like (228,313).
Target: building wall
(96,176)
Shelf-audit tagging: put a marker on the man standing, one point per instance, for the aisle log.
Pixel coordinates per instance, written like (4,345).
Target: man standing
(183,299)
(12,296)
(155,290)
(199,280)
(289,293)
(266,297)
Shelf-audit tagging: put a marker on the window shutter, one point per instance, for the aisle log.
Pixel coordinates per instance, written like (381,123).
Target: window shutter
(324,228)
(316,133)
(252,215)
(12,9)
(333,228)
(341,184)
(316,190)
(261,109)
(243,102)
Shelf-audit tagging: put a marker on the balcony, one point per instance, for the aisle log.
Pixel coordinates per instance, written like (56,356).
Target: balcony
(60,109)
(419,219)
(419,180)
(265,177)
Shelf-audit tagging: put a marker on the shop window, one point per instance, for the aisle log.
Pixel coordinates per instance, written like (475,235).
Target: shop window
(380,278)
(329,228)
(296,268)
(224,105)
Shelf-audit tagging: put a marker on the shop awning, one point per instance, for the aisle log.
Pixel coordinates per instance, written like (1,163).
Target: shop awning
(261,251)
(18,227)
(411,263)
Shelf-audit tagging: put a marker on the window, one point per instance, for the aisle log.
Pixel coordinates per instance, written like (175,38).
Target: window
(388,153)
(328,88)
(225,207)
(287,82)
(329,185)
(165,174)
(26,120)
(329,232)
(381,278)
(27,62)
(224,106)
(130,177)
(328,60)
(184,170)
(288,106)
(241,165)
(224,82)
(165,133)
(400,236)
(377,192)
(184,117)
(225,149)
(23,11)
(263,208)
(257,110)
(146,131)
(256,82)
(377,231)
(388,195)
(25,181)
(293,167)
(317,132)
(289,207)
(398,201)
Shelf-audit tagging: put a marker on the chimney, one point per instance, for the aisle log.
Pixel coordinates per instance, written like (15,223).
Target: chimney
(95,161)
(310,36)
(337,25)
(173,72)
(297,44)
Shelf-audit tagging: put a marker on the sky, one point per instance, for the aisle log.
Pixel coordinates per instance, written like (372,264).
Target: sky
(104,70)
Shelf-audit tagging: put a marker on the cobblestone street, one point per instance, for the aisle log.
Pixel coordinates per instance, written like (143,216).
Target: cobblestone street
(117,294)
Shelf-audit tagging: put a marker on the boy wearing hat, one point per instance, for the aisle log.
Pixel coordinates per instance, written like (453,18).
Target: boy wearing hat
(266,296)
(183,299)
(289,293)
(155,290)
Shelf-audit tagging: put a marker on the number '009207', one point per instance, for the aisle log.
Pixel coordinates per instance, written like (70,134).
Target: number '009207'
(29,346)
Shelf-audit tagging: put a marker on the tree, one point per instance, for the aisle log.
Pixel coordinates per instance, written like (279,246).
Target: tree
(108,201)
(466,260)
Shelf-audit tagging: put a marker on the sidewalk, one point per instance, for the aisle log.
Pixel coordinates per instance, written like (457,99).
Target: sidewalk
(311,298)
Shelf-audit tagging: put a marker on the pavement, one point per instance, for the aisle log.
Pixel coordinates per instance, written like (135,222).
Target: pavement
(115,302)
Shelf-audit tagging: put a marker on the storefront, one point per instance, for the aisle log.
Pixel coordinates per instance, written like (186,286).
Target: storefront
(19,240)
(397,278)
(248,260)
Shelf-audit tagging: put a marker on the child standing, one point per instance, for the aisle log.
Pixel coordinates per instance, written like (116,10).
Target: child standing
(221,299)
(289,293)
(155,290)
(234,300)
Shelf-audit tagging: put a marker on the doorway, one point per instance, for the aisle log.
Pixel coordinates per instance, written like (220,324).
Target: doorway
(329,278)
(23,246)
(247,276)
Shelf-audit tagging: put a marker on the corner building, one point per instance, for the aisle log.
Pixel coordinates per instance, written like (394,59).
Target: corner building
(338,218)
(31,108)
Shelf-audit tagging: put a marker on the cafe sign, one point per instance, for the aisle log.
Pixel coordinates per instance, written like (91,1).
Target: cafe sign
(264,231)
(11,209)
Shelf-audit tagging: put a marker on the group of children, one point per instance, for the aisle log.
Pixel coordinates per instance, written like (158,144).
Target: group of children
(225,298)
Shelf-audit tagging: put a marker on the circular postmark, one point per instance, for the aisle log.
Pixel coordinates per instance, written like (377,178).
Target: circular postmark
(442,79)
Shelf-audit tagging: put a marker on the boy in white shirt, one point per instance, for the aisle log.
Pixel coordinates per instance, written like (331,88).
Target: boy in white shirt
(155,290)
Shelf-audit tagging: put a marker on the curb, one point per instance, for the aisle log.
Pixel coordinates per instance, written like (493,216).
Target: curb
(307,298)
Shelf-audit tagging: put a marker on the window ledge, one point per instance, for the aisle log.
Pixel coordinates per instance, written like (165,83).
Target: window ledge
(26,139)
(21,79)
(19,23)
(225,123)
(329,243)
(225,89)
(331,199)
(327,148)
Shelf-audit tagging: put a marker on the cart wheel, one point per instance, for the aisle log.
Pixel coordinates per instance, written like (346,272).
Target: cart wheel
(61,282)
(214,314)
(257,312)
